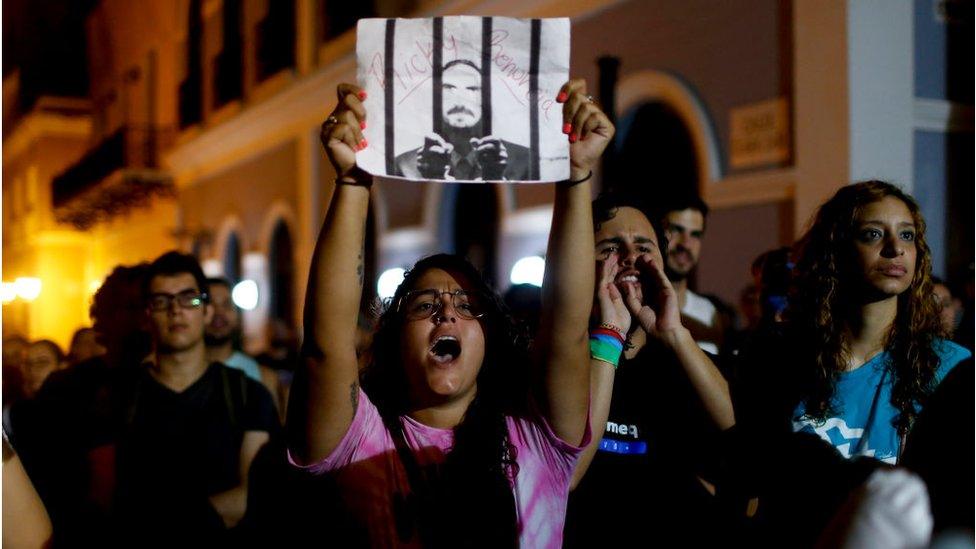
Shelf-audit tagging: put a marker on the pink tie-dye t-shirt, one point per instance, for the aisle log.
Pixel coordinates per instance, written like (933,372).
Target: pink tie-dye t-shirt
(369,473)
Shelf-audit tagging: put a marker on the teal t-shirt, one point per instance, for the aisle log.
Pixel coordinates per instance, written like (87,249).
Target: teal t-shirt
(862,424)
(245,364)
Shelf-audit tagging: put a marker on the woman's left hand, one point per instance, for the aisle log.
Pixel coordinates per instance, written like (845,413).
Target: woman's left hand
(587,127)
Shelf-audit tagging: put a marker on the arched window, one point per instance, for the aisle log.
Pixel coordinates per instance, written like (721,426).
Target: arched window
(656,153)
(281,257)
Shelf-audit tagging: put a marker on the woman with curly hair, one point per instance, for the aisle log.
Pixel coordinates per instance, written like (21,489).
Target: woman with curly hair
(859,354)
(458,436)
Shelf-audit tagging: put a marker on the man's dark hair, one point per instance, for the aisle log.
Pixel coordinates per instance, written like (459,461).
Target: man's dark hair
(605,207)
(460,62)
(684,201)
(219,281)
(54,347)
(174,263)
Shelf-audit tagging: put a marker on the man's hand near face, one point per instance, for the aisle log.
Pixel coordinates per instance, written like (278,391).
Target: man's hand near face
(492,157)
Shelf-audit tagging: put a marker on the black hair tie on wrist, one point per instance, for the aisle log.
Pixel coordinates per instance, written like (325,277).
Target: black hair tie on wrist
(570,182)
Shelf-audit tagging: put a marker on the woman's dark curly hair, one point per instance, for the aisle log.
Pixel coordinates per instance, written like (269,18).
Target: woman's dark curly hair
(474,499)
(824,299)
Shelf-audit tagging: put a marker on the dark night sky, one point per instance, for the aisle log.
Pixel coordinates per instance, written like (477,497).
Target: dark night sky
(46,40)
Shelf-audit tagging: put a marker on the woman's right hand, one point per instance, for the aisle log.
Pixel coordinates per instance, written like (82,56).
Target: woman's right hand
(342,131)
(613,309)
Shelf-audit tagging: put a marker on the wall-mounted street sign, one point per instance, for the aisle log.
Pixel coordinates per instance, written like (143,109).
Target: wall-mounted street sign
(759,134)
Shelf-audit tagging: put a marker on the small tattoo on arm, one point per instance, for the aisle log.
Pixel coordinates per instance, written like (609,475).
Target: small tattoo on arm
(359,267)
(354,396)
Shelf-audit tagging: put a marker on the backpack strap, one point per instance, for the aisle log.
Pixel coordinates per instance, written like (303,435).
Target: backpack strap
(235,394)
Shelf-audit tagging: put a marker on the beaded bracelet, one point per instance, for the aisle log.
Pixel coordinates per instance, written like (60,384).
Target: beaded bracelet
(613,327)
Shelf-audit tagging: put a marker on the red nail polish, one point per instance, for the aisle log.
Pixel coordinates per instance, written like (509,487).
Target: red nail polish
(362,95)
(363,144)
(362,125)
(567,127)
(572,138)
(562,97)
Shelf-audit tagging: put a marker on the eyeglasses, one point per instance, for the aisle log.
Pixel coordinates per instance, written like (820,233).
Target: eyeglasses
(187,299)
(421,304)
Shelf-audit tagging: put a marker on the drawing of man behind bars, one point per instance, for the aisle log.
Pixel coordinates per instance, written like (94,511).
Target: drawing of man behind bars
(464,150)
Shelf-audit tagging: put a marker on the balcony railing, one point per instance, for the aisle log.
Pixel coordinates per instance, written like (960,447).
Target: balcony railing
(121,172)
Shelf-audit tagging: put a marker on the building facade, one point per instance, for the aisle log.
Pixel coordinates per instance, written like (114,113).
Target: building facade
(208,112)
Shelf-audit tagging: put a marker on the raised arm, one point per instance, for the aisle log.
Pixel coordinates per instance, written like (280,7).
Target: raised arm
(325,395)
(567,287)
(613,312)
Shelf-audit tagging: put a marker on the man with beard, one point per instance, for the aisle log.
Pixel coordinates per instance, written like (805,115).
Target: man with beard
(464,151)
(223,335)
(684,225)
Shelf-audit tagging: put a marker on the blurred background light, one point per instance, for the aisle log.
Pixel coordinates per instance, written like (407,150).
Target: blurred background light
(245,294)
(528,270)
(8,292)
(389,281)
(28,287)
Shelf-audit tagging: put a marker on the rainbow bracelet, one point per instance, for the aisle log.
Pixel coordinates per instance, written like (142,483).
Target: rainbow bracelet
(606,346)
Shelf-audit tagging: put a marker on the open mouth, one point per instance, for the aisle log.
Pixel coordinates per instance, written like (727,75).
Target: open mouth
(627,276)
(445,349)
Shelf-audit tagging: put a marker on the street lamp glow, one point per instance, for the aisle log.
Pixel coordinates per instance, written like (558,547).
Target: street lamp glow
(8,292)
(245,294)
(528,270)
(389,281)
(93,286)
(28,287)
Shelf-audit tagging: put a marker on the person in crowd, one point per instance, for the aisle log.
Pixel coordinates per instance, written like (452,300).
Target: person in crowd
(44,357)
(966,329)
(656,397)
(525,303)
(14,351)
(223,338)
(683,220)
(462,150)
(890,509)
(14,355)
(189,427)
(837,386)
(775,270)
(58,433)
(950,307)
(84,345)
(751,307)
(937,452)
(281,356)
(455,437)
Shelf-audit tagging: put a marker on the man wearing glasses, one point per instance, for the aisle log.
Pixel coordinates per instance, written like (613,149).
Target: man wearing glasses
(190,428)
